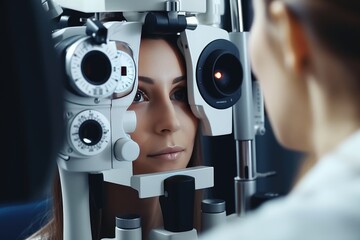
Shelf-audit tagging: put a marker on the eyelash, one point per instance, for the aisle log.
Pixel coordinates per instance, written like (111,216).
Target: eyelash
(141,94)
(182,90)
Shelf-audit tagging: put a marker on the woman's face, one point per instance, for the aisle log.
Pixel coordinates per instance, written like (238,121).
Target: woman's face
(166,127)
(284,91)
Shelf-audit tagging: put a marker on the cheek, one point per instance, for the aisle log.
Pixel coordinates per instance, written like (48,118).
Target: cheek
(190,135)
(259,51)
(189,121)
(285,105)
(187,134)
(268,72)
(141,124)
(266,67)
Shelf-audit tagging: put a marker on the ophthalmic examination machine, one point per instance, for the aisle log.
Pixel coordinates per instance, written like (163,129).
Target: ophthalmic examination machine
(98,121)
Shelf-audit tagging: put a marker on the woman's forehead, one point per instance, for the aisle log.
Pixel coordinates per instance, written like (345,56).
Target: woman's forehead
(159,61)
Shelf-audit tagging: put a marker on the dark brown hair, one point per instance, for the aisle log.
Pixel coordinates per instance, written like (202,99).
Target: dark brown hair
(334,23)
(333,30)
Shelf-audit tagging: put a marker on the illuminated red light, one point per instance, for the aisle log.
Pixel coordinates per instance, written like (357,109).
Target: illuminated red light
(218,75)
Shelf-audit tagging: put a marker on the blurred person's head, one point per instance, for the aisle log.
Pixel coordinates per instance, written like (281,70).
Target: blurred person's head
(305,54)
(32,126)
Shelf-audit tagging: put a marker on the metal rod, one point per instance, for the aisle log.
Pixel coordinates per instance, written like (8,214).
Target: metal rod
(236,10)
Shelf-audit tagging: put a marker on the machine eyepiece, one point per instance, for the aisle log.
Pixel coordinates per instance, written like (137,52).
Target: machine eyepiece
(225,72)
(92,69)
(96,67)
(220,74)
(90,132)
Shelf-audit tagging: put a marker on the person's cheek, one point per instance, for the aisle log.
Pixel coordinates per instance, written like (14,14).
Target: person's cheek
(254,50)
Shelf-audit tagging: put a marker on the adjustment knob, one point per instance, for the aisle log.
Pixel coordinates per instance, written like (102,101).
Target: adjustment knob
(126,149)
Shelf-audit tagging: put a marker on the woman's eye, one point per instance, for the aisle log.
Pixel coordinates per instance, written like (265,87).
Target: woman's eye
(180,95)
(139,96)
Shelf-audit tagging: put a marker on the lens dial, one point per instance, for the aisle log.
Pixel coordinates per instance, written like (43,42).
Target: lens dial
(127,71)
(93,69)
(90,132)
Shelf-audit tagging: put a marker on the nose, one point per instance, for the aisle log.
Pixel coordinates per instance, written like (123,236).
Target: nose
(167,119)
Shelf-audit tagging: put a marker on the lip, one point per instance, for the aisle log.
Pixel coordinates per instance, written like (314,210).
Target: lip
(169,153)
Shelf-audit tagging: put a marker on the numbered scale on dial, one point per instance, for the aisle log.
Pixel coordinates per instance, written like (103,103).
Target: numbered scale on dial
(90,132)
(93,69)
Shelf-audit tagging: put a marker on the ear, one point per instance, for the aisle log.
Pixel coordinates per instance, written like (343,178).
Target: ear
(291,35)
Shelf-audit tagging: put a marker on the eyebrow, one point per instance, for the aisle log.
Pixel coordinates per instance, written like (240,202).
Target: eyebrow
(151,81)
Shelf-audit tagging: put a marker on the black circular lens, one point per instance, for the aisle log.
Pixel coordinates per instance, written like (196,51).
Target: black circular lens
(226,72)
(220,74)
(96,67)
(90,132)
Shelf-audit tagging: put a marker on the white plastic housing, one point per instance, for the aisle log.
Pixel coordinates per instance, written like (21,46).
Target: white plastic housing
(215,122)
(88,6)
